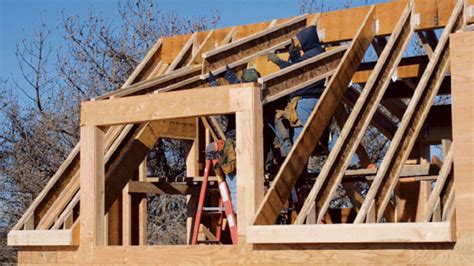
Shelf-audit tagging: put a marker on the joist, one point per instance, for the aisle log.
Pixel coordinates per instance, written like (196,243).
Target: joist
(346,233)
(301,74)
(366,106)
(412,121)
(320,117)
(429,41)
(434,198)
(245,47)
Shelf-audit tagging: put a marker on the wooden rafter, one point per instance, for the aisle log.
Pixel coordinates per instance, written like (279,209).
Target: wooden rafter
(225,55)
(359,119)
(293,165)
(185,55)
(412,121)
(295,77)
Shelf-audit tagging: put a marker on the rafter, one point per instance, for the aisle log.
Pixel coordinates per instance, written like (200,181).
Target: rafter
(293,165)
(412,121)
(359,119)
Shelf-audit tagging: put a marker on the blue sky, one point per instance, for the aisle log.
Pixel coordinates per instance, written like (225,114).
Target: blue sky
(19,18)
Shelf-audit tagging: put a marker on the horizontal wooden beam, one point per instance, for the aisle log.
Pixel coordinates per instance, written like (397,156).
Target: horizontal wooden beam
(247,46)
(176,104)
(40,238)
(351,233)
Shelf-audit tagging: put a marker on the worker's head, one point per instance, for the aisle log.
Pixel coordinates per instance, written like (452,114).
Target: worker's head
(308,38)
(250,75)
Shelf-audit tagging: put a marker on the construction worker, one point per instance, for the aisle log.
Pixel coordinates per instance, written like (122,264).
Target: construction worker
(224,151)
(303,101)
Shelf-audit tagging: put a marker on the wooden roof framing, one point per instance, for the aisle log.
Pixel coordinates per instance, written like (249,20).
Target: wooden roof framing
(412,121)
(363,111)
(181,64)
(293,165)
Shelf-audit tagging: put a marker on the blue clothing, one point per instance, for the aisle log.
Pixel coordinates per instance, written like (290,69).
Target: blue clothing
(303,109)
(309,41)
(231,180)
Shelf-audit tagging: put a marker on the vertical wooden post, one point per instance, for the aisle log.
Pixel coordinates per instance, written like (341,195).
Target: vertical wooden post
(143,207)
(249,157)
(462,64)
(126,217)
(192,159)
(92,186)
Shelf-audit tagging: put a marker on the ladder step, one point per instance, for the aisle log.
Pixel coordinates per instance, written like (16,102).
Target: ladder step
(213,209)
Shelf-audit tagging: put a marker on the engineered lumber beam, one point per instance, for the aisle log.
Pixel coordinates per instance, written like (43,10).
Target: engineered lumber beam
(40,238)
(137,109)
(249,45)
(293,165)
(440,182)
(299,75)
(412,121)
(354,129)
(346,233)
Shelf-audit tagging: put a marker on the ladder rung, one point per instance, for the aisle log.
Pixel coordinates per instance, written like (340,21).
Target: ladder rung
(213,209)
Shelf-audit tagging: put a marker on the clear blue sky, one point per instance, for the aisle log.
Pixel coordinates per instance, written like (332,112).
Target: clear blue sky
(19,18)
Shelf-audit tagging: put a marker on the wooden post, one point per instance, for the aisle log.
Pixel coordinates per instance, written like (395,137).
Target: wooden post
(143,207)
(249,151)
(92,186)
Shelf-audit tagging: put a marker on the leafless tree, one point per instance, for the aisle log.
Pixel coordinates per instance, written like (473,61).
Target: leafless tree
(39,110)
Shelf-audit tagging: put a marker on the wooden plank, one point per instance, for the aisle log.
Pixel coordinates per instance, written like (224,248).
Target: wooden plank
(412,121)
(247,46)
(293,165)
(440,181)
(463,127)
(198,102)
(354,129)
(345,233)
(40,238)
(299,75)
(92,186)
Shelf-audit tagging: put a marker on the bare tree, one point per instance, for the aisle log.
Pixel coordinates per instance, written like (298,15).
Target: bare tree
(95,56)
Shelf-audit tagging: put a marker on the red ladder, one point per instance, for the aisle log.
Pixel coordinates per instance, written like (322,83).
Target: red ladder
(225,204)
